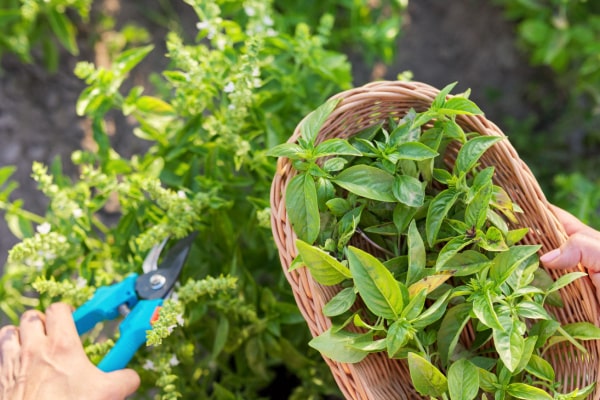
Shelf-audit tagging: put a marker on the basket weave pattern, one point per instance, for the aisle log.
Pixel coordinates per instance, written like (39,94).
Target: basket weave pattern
(377,376)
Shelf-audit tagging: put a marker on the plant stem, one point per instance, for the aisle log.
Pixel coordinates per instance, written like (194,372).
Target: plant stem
(23,213)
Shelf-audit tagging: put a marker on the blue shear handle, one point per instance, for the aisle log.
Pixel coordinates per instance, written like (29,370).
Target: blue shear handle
(105,303)
(133,335)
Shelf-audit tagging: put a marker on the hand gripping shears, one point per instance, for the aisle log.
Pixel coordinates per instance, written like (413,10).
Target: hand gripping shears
(136,297)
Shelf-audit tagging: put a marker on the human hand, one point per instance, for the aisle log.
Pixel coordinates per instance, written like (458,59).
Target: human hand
(43,359)
(582,246)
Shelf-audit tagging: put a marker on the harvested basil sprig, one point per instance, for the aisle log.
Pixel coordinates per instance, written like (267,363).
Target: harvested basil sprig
(441,256)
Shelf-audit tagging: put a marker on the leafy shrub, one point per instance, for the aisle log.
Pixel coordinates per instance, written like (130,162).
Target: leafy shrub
(233,329)
(38,24)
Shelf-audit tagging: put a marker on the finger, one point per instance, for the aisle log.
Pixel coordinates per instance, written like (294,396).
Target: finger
(32,329)
(59,321)
(125,382)
(579,248)
(572,224)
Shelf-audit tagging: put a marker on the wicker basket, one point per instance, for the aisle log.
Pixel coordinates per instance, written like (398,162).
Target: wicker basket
(377,376)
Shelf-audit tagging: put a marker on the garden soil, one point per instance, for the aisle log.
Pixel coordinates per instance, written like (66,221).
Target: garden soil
(468,41)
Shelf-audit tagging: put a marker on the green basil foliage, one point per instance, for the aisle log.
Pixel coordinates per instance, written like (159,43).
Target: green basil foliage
(444,256)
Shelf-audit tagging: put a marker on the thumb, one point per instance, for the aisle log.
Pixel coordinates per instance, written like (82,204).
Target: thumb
(579,248)
(124,382)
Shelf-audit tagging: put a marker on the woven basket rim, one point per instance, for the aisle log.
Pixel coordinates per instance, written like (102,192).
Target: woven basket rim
(358,108)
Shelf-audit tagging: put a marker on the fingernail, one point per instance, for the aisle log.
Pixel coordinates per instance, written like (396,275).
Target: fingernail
(550,256)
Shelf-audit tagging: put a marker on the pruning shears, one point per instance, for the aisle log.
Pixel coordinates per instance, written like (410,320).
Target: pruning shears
(138,298)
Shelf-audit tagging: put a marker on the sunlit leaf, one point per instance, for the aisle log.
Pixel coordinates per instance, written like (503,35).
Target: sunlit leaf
(376,285)
(426,378)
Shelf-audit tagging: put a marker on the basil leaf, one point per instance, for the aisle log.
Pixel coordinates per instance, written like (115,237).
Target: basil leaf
(476,211)
(408,190)
(302,207)
(338,345)
(509,344)
(426,378)
(527,392)
(399,333)
(375,283)
(416,151)
(451,327)
(564,280)
(505,263)
(450,249)
(463,380)
(470,152)
(459,105)
(324,268)
(312,124)
(416,254)
(483,308)
(437,212)
(541,368)
(467,263)
(292,151)
(340,303)
(366,181)
(337,147)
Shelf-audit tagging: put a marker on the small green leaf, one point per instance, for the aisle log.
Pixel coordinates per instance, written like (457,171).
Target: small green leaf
(483,308)
(532,310)
(415,151)
(451,327)
(221,335)
(505,263)
(509,344)
(290,150)
(376,285)
(582,330)
(459,105)
(440,98)
(467,263)
(338,346)
(402,216)
(487,380)
(366,181)
(450,249)
(470,152)
(437,212)
(128,59)
(565,280)
(433,313)
(476,212)
(408,190)
(463,380)
(494,240)
(399,333)
(541,368)
(514,236)
(64,30)
(426,378)
(312,124)
(416,254)
(336,147)
(302,206)
(5,173)
(527,392)
(340,303)
(154,105)
(324,268)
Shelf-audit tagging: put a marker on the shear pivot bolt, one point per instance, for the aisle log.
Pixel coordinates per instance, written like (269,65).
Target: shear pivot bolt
(157,281)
